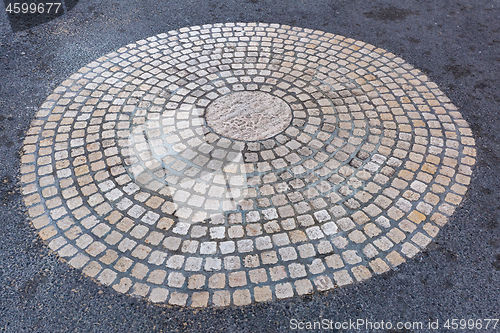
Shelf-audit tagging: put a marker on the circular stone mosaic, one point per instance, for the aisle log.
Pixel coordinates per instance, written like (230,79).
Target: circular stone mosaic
(228,164)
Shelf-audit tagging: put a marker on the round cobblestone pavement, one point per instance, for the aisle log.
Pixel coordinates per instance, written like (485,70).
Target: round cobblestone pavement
(239,163)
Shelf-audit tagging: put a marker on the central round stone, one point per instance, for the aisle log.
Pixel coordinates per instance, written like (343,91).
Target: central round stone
(248,115)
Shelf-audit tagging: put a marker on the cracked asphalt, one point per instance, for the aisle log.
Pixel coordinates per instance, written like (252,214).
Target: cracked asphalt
(456,43)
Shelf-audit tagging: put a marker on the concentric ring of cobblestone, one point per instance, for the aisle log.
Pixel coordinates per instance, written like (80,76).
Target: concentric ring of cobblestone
(124,179)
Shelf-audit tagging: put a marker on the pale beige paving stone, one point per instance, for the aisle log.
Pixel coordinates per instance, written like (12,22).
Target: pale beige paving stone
(258,275)
(177,298)
(140,289)
(323,283)
(284,290)
(361,273)
(242,297)
(196,281)
(221,298)
(262,294)
(158,295)
(303,286)
(123,285)
(199,299)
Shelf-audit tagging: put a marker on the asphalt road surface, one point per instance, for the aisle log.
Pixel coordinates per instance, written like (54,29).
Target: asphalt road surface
(456,43)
